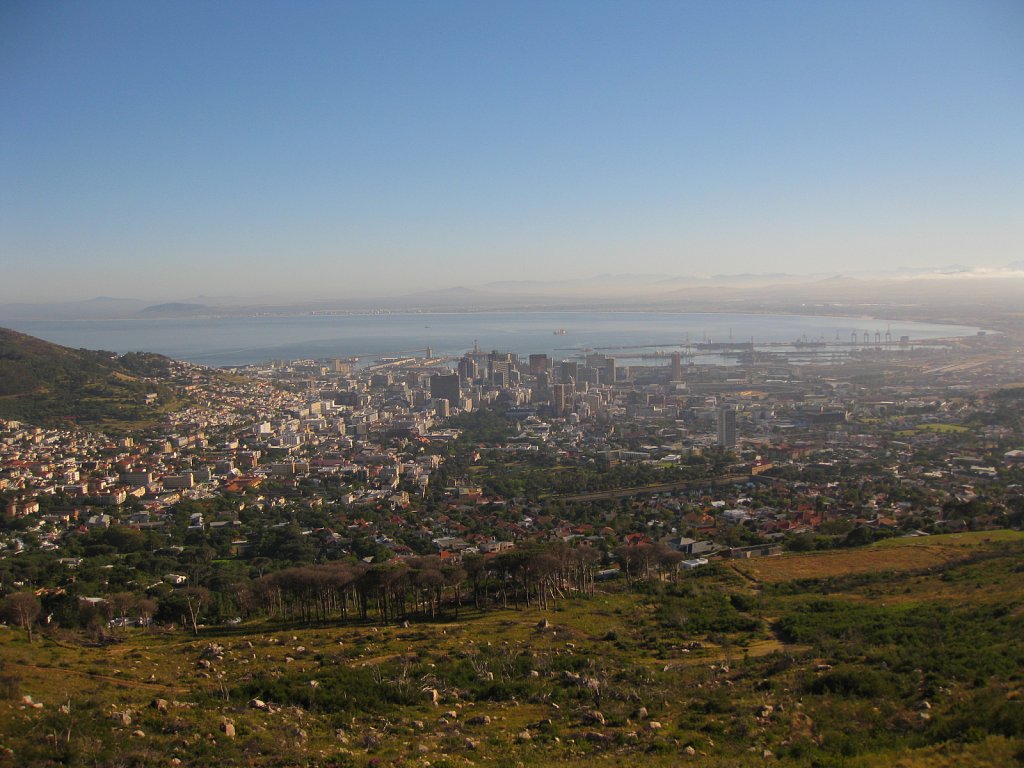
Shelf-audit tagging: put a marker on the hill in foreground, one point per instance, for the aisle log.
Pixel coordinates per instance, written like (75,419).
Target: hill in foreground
(45,383)
(903,666)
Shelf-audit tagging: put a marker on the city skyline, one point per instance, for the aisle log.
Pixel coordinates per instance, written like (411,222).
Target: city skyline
(341,149)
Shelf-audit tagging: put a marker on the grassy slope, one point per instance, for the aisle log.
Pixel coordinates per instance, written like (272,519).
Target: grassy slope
(368,703)
(44,383)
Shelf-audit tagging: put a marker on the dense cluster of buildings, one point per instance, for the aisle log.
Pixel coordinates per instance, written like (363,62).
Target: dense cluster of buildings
(790,438)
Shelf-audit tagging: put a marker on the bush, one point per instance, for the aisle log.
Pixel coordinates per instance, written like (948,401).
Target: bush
(859,682)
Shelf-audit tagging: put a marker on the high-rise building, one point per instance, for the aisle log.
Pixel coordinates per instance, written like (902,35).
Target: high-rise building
(568,372)
(558,399)
(445,387)
(539,364)
(677,367)
(501,373)
(604,364)
(468,369)
(727,426)
(541,387)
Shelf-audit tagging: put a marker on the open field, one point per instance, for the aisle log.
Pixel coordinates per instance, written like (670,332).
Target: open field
(897,555)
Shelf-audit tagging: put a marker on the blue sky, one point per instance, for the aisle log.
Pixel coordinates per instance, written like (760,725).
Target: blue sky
(165,150)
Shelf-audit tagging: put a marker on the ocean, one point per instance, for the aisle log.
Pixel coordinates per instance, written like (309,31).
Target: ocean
(627,336)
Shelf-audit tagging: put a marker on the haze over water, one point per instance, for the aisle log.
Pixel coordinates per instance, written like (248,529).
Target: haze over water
(246,340)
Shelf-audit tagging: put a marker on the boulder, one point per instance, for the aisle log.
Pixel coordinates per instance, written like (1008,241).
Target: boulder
(594,717)
(124,719)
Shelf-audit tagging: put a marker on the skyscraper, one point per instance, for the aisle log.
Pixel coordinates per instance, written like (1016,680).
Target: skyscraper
(468,369)
(558,399)
(677,367)
(445,387)
(568,371)
(727,426)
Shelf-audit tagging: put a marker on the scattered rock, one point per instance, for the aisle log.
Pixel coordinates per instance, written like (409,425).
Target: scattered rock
(595,736)
(160,705)
(524,736)
(28,702)
(258,704)
(300,734)
(471,744)
(124,719)
(690,751)
(212,651)
(543,624)
(654,725)
(594,717)
(641,714)
(139,734)
(433,695)
(479,720)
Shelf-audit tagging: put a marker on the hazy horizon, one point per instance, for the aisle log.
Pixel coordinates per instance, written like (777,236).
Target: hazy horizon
(335,149)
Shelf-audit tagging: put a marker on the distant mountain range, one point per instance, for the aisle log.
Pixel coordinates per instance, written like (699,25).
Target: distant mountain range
(953,285)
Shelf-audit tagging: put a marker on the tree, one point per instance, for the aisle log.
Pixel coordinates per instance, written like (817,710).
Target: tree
(22,608)
(146,608)
(195,598)
(121,603)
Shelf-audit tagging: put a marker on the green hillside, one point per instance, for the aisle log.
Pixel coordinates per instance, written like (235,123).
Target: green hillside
(908,667)
(46,383)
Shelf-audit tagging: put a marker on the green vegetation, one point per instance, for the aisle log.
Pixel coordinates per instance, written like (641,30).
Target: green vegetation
(46,383)
(905,667)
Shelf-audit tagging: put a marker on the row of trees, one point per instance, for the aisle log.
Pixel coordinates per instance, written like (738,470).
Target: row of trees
(425,586)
